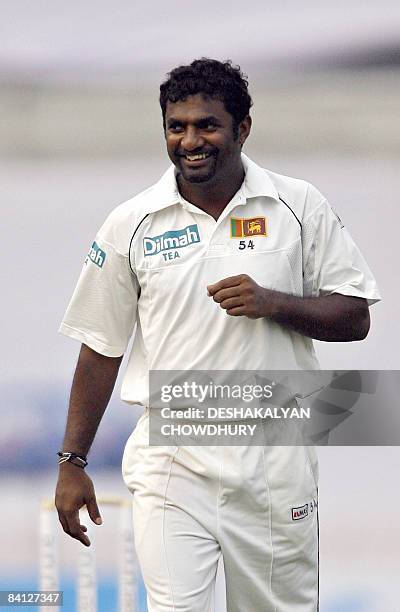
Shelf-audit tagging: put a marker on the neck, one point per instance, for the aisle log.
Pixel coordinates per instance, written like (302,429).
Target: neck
(212,197)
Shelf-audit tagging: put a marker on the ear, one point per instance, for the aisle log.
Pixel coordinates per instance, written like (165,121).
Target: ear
(164,125)
(244,129)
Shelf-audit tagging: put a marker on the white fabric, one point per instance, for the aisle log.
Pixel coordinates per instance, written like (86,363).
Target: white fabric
(102,312)
(192,504)
(179,326)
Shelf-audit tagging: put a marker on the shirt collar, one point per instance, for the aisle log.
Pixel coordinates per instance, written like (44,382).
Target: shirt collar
(256,183)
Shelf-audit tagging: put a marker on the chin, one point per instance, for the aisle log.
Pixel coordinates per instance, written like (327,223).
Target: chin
(196,176)
(199,178)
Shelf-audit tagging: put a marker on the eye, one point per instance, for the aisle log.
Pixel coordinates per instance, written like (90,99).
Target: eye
(175,128)
(209,126)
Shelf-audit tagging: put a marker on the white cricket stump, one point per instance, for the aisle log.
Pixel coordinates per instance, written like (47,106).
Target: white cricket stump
(86,579)
(128,569)
(48,551)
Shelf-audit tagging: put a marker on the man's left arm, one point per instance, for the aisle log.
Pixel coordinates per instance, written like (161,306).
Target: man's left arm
(332,318)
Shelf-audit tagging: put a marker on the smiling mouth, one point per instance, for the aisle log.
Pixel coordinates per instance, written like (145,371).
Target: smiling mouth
(196,157)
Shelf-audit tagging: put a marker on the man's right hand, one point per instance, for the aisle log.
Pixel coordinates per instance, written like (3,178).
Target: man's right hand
(74,490)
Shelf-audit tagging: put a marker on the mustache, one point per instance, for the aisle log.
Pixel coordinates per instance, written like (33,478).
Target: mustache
(196,152)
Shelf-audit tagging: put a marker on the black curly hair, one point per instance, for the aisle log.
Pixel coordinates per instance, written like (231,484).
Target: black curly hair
(212,78)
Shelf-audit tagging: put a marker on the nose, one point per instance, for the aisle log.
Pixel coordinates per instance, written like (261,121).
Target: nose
(191,139)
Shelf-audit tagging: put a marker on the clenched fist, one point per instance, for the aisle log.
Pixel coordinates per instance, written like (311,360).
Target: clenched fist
(241,296)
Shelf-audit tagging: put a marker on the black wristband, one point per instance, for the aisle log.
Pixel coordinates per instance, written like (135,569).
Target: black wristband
(78,460)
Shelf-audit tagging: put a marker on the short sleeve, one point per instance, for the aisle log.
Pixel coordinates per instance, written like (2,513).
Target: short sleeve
(102,310)
(332,263)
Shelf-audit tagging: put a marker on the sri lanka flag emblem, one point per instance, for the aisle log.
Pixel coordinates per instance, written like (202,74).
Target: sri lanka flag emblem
(246,228)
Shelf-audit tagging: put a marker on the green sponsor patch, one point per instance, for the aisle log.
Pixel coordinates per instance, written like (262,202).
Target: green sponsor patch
(96,255)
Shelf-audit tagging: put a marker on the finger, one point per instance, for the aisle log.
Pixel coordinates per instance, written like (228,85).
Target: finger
(63,522)
(238,311)
(224,294)
(93,510)
(230,281)
(231,303)
(75,528)
(66,528)
(81,537)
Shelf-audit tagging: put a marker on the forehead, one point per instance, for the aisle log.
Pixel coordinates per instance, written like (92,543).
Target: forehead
(195,107)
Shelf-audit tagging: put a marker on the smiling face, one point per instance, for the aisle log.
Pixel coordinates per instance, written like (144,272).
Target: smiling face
(201,141)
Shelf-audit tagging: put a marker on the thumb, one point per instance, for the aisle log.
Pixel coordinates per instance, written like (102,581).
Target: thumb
(94,511)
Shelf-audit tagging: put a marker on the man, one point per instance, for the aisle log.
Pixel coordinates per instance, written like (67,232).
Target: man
(223,266)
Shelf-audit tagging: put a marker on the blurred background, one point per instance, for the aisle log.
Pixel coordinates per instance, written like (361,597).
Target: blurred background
(80,132)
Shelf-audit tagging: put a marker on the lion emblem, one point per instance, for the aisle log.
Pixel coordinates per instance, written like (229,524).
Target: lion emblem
(254,226)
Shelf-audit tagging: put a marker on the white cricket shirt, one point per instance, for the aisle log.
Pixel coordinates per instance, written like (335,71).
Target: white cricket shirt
(154,256)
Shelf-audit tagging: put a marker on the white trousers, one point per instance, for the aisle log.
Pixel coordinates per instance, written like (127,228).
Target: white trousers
(255,505)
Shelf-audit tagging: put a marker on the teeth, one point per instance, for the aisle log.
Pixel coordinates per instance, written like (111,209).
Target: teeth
(195,157)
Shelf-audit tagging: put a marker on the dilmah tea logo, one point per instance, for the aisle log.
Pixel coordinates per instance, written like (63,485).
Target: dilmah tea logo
(96,255)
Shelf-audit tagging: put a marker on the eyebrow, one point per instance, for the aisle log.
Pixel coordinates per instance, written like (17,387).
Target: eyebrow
(199,123)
